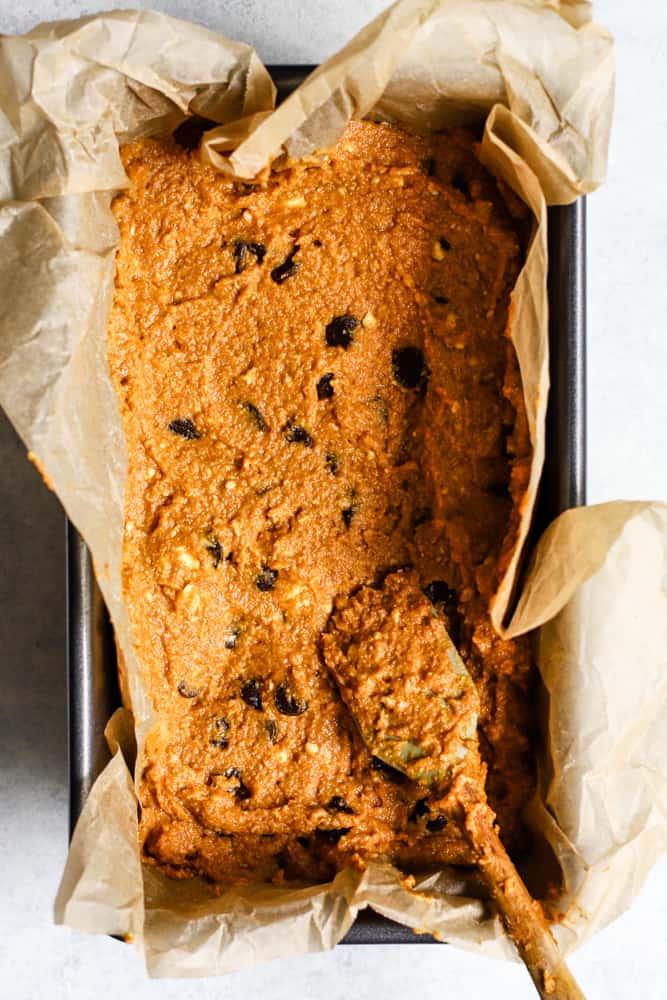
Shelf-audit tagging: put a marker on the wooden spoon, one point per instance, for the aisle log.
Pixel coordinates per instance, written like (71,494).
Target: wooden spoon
(416,708)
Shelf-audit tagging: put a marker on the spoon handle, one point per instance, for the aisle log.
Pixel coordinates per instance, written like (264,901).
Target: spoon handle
(522,916)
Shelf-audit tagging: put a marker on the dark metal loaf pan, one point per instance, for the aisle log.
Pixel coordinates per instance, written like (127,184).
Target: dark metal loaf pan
(91,664)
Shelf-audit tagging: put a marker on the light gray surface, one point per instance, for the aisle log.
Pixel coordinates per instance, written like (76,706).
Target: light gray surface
(627,425)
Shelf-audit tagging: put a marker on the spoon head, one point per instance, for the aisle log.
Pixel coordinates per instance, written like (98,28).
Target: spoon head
(403,680)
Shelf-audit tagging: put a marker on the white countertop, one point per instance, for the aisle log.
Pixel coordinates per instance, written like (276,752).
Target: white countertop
(627,413)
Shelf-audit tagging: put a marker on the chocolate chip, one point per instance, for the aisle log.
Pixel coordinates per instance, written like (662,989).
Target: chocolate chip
(444,243)
(215,548)
(409,367)
(242,250)
(287,702)
(325,390)
(436,824)
(317,243)
(333,464)
(442,300)
(240,791)
(387,771)
(339,331)
(337,804)
(288,268)
(186,691)
(232,636)
(251,692)
(258,250)
(295,434)
(222,729)
(438,592)
(184,427)
(271,730)
(240,253)
(257,416)
(266,580)
(347,514)
(419,809)
(333,836)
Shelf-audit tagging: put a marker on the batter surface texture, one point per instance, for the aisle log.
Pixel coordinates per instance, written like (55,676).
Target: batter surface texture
(317,387)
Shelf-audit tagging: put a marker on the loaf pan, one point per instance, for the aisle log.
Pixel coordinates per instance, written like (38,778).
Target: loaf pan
(93,693)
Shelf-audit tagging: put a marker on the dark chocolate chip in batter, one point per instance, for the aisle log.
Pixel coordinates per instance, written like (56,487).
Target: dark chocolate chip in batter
(184,427)
(186,691)
(438,592)
(325,390)
(409,368)
(241,253)
(251,692)
(240,791)
(287,702)
(444,243)
(337,804)
(339,332)
(420,808)
(442,300)
(215,548)
(436,824)
(266,580)
(288,268)
(271,730)
(347,514)
(258,250)
(295,434)
(257,416)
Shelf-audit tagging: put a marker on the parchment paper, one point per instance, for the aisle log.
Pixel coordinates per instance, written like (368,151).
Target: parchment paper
(69,94)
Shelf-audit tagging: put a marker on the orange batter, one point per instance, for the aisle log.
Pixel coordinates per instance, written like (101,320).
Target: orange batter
(316,386)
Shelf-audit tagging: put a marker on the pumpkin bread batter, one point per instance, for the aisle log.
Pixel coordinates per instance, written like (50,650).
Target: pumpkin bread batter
(316,387)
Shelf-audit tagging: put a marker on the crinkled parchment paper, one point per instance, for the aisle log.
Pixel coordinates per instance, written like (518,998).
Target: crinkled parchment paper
(542,76)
